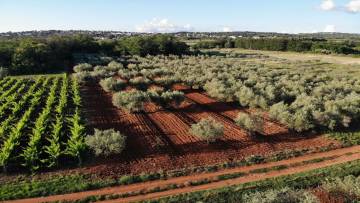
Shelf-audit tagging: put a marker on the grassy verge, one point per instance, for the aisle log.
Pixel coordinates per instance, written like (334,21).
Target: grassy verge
(297,181)
(53,185)
(197,182)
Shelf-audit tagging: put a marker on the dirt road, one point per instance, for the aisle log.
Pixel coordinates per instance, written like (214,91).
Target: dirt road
(342,157)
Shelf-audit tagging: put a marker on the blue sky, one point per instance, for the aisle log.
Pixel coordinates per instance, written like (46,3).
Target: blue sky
(292,16)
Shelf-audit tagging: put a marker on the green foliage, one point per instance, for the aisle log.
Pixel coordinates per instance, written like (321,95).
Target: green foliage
(151,45)
(75,146)
(132,101)
(114,66)
(207,129)
(284,195)
(31,154)
(349,186)
(83,67)
(112,84)
(251,122)
(281,44)
(107,142)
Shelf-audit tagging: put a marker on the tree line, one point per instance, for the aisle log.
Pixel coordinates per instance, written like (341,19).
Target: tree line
(55,54)
(283,44)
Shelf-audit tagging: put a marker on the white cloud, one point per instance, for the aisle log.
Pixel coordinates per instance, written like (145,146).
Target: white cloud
(227,29)
(353,6)
(327,5)
(162,26)
(330,28)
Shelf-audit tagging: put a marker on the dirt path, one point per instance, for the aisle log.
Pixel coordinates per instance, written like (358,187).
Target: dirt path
(341,153)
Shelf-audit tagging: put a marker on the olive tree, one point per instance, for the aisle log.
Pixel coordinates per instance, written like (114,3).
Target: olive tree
(112,84)
(132,101)
(252,123)
(175,97)
(207,129)
(106,142)
(114,66)
(83,67)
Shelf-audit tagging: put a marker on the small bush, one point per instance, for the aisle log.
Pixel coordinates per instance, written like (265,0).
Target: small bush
(112,85)
(114,66)
(251,123)
(83,67)
(285,195)
(107,142)
(349,185)
(207,129)
(140,83)
(132,101)
(101,73)
(174,97)
(82,77)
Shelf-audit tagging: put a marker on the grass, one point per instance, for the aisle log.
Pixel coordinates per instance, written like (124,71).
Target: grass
(53,185)
(303,180)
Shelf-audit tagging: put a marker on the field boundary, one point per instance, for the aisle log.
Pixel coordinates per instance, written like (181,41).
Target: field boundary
(353,151)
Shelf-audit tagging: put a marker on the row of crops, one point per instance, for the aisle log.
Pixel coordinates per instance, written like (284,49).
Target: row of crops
(40,123)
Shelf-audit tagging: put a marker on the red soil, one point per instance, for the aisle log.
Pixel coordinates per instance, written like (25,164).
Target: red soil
(159,138)
(340,154)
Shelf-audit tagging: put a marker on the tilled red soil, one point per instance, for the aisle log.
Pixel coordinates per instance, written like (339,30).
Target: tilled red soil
(158,139)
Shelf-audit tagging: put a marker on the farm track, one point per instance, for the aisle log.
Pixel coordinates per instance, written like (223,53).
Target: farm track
(341,156)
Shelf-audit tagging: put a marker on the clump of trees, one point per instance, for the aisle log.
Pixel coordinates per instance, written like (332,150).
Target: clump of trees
(112,84)
(282,44)
(207,129)
(151,45)
(106,142)
(252,123)
(55,54)
(324,96)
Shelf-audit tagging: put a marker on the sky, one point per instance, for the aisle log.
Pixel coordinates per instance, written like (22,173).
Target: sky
(285,16)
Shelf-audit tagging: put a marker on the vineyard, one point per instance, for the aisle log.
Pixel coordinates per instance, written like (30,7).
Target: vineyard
(40,123)
(137,119)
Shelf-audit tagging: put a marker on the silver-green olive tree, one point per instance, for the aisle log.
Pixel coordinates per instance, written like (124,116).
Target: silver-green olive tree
(208,129)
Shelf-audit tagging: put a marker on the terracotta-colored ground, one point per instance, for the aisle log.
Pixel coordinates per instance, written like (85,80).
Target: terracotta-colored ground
(339,156)
(159,139)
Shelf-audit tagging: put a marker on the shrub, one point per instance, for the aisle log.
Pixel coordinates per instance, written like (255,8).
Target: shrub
(174,97)
(207,129)
(112,85)
(101,73)
(83,67)
(82,77)
(114,66)
(107,142)
(3,72)
(132,101)
(285,195)
(140,83)
(251,123)
(349,185)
